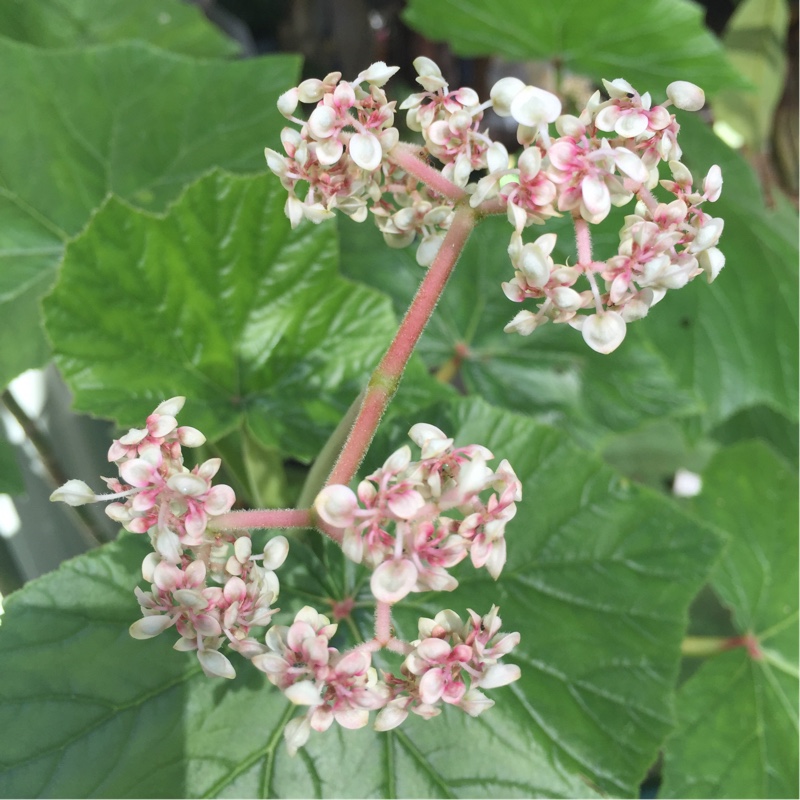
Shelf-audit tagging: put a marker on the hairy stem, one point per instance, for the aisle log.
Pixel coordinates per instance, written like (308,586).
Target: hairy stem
(406,156)
(386,377)
(383,622)
(583,241)
(263,518)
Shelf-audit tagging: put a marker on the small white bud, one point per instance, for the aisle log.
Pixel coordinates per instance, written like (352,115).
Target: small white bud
(73,493)
(275,552)
(503,94)
(603,332)
(287,102)
(686,95)
(365,149)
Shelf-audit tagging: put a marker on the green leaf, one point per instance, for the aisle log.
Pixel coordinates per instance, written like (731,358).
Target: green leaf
(221,301)
(735,342)
(170,24)
(551,374)
(649,44)
(762,422)
(599,578)
(738,714)
(598,584)
(755,43)
(126,119)
(154,726)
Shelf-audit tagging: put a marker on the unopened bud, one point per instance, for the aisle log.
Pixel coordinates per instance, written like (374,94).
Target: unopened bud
(73,493)
(686,95)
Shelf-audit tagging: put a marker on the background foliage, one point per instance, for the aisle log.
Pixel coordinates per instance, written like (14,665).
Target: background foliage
(131,175)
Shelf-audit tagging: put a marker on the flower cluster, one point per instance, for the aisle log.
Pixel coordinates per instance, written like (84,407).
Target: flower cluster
(340,153)
(450,663)
(341,687)
(608,155)
(206,582)
(413,520)
(173,506)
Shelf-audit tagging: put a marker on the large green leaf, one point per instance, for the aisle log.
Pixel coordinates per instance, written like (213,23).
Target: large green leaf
(221,301)
(739,713)
(127,119)
(599,578)
(171,24)
(735,342)
(551,374)
(649,44)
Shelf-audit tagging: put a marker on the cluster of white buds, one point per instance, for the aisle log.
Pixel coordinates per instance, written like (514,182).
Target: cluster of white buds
(340,149)
(411,521)
(206,582)
(450,663)
(173,505)
(609,155)
(449,123)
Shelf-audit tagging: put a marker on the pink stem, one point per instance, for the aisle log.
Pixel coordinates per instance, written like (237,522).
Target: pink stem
(406,157)
(583,240)
(397,646)
(263,518)
(386,377)
(383,622)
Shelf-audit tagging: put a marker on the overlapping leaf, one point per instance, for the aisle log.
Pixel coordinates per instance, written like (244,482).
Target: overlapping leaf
(127,119)
(221,301)
(598,582)
(739,713)
(170,24)
(651,44)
